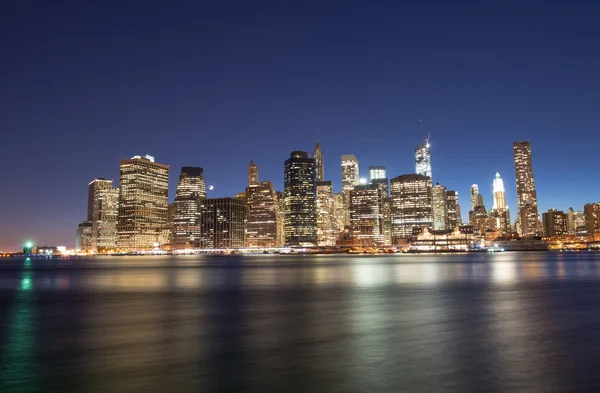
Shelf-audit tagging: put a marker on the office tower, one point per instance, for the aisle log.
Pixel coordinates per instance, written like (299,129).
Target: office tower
(170,220)
(501,220)
(350,179)
(499,193)
(459,220)
(280,218)
(94,187)
(319,164)
(475,201)
(591,212)
(383,186)
(105,207)
(143,203)
(222,223)
(377,172)
(576,222)
(365,214)
(326,234)
(452,209)
(191,192)
(555,223)
(526,194)
(386,215)
(411,204)
(423,156)
(479,219)
(439,207)
(339,212)
(262,216)
(252,174)
(83,238)
(300,198)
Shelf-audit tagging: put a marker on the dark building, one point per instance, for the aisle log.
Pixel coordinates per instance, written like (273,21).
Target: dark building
(300,200)
(555,223)
(222,223)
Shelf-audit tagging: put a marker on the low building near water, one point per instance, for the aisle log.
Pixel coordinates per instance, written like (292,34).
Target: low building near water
(461,238)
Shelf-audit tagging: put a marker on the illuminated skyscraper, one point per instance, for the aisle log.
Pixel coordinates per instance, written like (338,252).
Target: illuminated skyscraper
(526,194)
(591,212)
(83,239)
(555,223)
(190,194)
(439,207)
(339,212)
(499,193)
(319,164)
(411,204)
(423,156)
(326,234)
(576,222)
(252,174)
(365,214)
(452,209)
(222,223)
(475,201)
(261,222)
(350,179)
(377,172)
(105,207)
(280,218)
(143,203)
(93,187)
(300,200)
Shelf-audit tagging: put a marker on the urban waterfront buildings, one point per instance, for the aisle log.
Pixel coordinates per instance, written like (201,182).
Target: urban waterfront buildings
(143,203)
(190,194)
(411,204)
(377,173)
(222,223)
(423,156)
(500,213)
(591,213)
(576,222)
(526,194)
(499,193)
(262,215)
(325,205)
(83,236)
(300,200)
(319,163)
(366,217)
(452,209)
(440,207)
(555,223)
(105,203)
(476,197)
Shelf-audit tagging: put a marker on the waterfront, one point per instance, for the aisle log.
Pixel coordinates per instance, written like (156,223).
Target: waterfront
(501,322)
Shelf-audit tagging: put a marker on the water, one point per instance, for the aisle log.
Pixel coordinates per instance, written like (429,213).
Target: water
(510,322)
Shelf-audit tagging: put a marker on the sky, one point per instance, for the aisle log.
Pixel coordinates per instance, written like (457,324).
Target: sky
(217,84)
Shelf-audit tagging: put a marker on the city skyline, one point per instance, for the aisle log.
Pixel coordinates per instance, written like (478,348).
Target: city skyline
(264,91)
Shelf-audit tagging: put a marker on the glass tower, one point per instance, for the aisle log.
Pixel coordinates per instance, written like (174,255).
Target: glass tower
(191,192)
(300,200)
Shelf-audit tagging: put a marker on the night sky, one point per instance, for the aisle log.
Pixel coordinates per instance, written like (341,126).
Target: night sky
(216,84)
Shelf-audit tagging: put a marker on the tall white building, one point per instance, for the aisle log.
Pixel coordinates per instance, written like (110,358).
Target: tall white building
(499,193)
(439,207)
(377,172)
(350,179)
(474,196)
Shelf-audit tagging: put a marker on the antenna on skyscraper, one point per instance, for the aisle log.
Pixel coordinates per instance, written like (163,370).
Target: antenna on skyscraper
(421,130)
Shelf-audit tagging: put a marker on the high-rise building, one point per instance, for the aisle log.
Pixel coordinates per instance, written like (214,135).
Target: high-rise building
(555,223)
(350,173)
(261,221)
(280,218)
(300,200)
(93,187)
(190,194)
(452,209)
(439,207)
(376,173)
(252,174)
(501,220)
(339,212)
(326,233)
(83,236)
(143,203)
(411,204)
(499,193)
(591,212)
(319,163)
(474,196)
(383,185)
(576,222)
(222,223)
(423,156)
(365,214)
(170,220)
(526,193)
(105,207)
(386,215)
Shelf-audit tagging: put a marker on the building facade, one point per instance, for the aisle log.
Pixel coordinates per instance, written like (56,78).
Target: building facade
(439,207)
(499,193)
(376,173)
(222,223)
(526,193)
(411,204)
(262,216)
(423,160)
(452,209)
(105,208)
(591,212)
(366,217)
(252,174)
(319,163)
(300,200)
(190,194)
(83,236)
(143,203)
(326,233)
(555,223)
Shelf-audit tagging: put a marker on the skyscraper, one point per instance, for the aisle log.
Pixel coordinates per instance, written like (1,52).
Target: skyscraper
(190,194)
(411,204)
(83,236)
(105,205)
(319,164)
(576,222)
(555,223)
(591,212)
(143,203)
(377,172)
(252,174)
(350,179)
(475,197)
(365,214)
(526,194)
(423,156)
(262,216)
(499,193)
(223,223)
(439,207)
(452,209)
(300,200)
(326,234)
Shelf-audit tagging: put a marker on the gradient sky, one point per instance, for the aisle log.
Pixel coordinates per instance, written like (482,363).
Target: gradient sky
(216,84)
